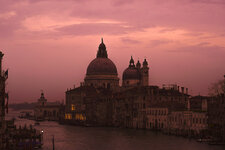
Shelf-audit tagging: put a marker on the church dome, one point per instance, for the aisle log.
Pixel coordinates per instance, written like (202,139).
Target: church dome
(101,66)
(131,72)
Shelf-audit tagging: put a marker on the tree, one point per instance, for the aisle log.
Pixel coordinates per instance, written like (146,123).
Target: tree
(218,88)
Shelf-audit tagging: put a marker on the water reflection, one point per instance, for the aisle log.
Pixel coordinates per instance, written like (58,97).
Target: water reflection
(96,138)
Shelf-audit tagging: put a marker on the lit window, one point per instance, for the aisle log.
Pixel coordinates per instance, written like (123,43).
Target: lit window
(72,107)
(68,116)
(80,117)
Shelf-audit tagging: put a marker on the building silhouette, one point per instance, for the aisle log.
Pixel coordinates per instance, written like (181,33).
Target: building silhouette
(101,101)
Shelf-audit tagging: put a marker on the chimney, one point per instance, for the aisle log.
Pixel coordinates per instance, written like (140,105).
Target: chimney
(74,86)
(186,90)
(182,90)
(178,88)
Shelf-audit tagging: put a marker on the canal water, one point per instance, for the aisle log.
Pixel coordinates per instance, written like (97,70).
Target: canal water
(98,138)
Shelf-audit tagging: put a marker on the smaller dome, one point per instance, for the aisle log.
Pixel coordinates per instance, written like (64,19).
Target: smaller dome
(131,73)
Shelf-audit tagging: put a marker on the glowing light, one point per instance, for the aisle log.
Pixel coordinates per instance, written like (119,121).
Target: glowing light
(68,116)
(73,107)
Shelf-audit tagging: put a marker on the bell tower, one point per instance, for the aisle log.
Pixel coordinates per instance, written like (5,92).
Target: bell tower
(145,74)
(42,100)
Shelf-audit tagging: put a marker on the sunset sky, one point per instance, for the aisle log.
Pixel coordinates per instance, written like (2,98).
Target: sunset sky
(48,44)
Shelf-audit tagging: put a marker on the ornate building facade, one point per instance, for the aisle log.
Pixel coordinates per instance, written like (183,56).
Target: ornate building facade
(101,101)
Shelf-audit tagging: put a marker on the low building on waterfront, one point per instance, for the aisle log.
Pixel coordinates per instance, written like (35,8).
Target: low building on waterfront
(47,110)
(157,118)
(188,123)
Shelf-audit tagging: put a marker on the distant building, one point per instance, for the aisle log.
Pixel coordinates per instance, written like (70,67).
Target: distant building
(45,110)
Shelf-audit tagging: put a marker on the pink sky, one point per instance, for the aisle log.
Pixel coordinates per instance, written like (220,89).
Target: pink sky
(48,44)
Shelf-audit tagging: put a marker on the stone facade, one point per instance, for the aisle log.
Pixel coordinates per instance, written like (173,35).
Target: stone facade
(187,122)
(157,118)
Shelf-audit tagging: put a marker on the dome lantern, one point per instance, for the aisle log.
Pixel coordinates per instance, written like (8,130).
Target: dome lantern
(102,53)
(131,62)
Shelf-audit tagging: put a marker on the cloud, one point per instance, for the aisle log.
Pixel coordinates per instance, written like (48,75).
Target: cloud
(203,49)
(7,15)
(155,43)
(130,40)
(8,28)
(137,14)
(93,29)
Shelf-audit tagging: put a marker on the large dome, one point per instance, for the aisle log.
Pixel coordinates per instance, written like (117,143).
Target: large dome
(131,73)
(101,66)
